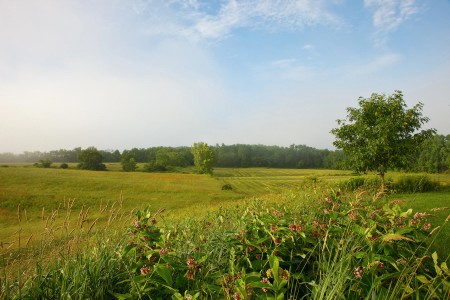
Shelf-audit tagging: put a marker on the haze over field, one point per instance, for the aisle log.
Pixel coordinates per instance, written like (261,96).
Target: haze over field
(122,74)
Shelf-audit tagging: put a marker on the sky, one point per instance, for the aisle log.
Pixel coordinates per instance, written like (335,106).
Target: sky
(118,74)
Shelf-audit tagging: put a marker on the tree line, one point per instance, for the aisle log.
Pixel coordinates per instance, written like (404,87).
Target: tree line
(433,156)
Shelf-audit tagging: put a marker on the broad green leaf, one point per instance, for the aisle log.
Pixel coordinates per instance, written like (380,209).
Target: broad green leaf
(165,274)
(422,279)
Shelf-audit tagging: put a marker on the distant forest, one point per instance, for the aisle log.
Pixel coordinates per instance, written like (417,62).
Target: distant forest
(434,156)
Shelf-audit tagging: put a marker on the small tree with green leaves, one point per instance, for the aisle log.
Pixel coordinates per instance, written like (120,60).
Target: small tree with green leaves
(381,134)
(203,158)
(128,162)
(91,159)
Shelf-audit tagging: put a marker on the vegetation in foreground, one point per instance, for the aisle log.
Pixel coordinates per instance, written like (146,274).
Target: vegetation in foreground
(348,246)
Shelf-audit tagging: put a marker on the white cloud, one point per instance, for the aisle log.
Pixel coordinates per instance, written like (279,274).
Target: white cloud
(388,15)
(199,20)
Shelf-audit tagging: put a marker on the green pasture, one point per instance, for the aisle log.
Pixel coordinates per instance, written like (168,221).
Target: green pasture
(29,195)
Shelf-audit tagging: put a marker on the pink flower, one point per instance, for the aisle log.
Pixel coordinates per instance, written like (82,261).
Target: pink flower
(273,228)
(358,272)
(163,251)
(145,270)
(190,262)
(427,226)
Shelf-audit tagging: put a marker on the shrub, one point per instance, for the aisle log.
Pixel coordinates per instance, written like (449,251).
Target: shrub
(63,166)
(153,166)
(350,248)
(415,184)
(43,163)
(227,187)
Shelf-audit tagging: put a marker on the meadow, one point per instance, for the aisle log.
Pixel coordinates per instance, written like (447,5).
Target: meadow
(68,210)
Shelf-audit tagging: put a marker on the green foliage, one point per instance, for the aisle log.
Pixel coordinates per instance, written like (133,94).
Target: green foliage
(415,184)
(64,166)
(227,187)
(434,155)
(203,158)
(381,134)
(153,166)
(368,183)
(128,162)
(91,159)
(43,163)
(344,248)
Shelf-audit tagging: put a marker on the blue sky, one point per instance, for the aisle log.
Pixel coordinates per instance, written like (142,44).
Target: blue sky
(118,74)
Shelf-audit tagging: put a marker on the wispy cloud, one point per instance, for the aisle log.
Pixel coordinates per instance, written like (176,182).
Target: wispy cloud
(201,20)
(388,15)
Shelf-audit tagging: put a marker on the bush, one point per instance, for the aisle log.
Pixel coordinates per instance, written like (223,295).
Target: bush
(227,187)
(153,166)
(43,163)
(63,166)
(346,248)
(415,184)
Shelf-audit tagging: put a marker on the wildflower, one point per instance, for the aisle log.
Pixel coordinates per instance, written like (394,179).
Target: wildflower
(336,206)
(163,251)
(284,275)
(190,275)
(326,211)
(358,272)
(248,288)
(419,215)
(190,262)
(145,270)
(153,221)
(353,215)
(265,280)
(277,241)
(379,264)
(328,199)
(427,226)
(237,296)
(273,228)
(315,223)
(292,227)
(269,273)
(414,222)
(276,213)
(188,297)
(137,224)
(197,249)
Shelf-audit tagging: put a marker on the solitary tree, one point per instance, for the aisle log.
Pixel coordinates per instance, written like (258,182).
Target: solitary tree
(381,134)
(91,159)
(128,162)
(203,158)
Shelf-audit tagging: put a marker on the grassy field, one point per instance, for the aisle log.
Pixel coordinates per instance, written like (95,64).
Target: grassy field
(34,194)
